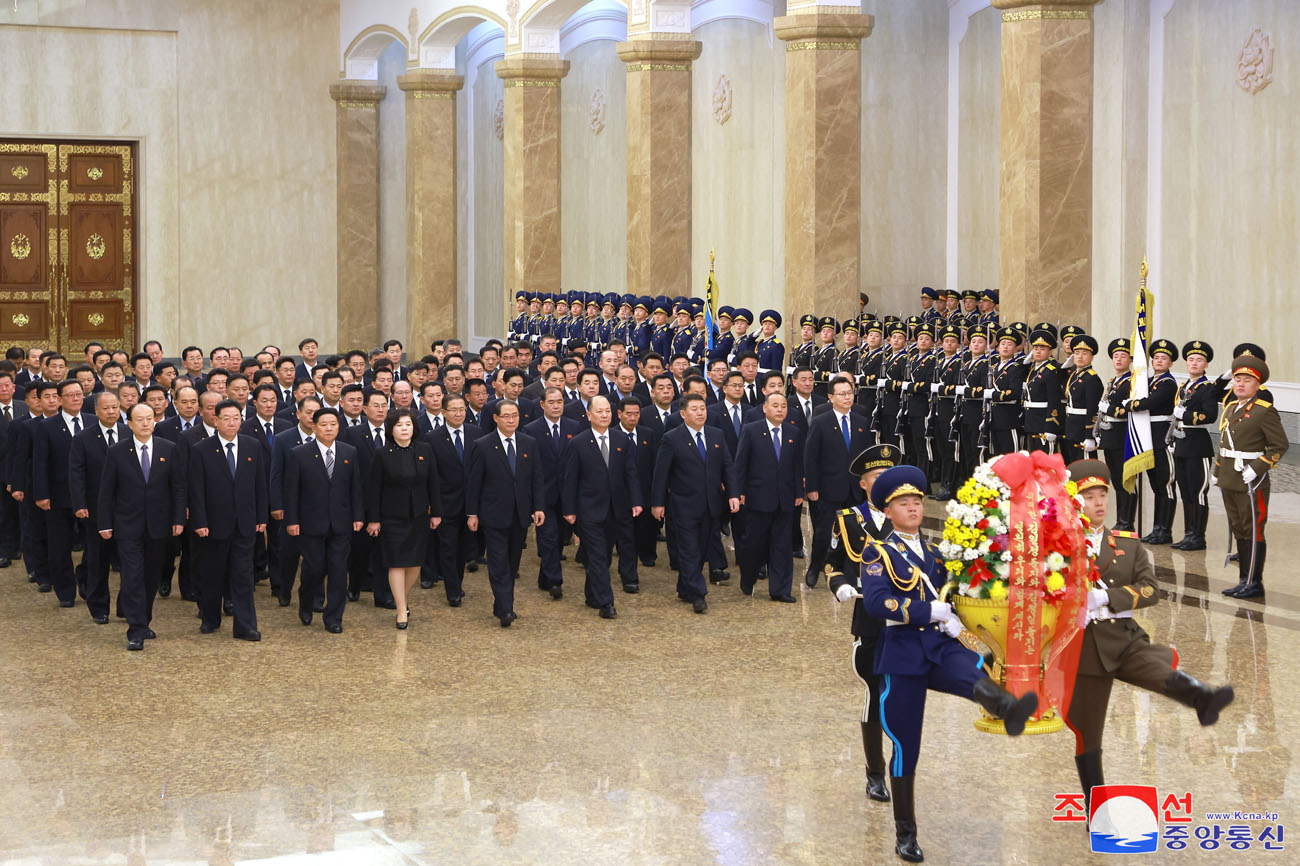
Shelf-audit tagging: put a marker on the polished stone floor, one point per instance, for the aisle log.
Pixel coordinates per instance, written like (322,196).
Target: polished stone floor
(660,737)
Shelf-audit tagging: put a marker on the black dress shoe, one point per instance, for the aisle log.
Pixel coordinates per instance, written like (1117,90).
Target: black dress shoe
(207,629)
(798,553)
(31,578)
(648,563)
(508,618)
(150,634)
(631,588)
(77,547)
(165,590)
(334,629)
(608,612)
(787,599)
(557,592)
(746,588)
(229,607)
(249,635)
(426,584)
(135,645)
(471,567)
(354,596)
(659,536)
(5,562)
(317,608)
(44,587)
(100,619)
(386,605)
(455,602)
(1250,590)
(762,572)
(304,617)
(719,576)
(283,600)
(700,605)
(69,603)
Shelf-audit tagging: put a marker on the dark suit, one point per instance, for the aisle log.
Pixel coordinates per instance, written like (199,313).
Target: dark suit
(826,471)
(576,411)
(266,549)
(801,420)
(276,453)
(549,571)
(51,445)
(770,485)
(602,497)
(230,509)
(187,572)
(720,416)
(9,520)
(324,506)
(529,411)
(171,428)
(694,490)
(455,542)
(85,469)
(366,567)
(504,502)
(141,515)
(644,527)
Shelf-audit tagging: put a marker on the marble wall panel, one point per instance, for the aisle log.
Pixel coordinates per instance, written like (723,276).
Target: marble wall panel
(392,197)
(979,110)
(489,207)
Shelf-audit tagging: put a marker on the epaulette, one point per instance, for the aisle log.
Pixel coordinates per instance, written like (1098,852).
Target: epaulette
(1121,534)
(1263,403)
(1088,371)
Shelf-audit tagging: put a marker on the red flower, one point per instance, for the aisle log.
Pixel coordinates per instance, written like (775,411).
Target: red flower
(983,524)
(992,503)
(994,547)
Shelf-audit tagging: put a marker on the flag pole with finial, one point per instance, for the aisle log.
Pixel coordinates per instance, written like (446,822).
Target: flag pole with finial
(710,303)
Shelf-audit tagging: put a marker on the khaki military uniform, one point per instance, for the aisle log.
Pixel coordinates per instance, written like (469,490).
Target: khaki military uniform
(1250,435)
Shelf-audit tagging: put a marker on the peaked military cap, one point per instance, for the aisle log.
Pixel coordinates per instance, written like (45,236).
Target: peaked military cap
(1198,347)
(1165,346)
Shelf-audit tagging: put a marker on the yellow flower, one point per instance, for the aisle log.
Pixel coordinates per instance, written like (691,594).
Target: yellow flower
(1055,582)
(954,565)
(998,589)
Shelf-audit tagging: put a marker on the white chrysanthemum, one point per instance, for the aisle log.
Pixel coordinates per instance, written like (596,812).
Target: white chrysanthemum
(1001,569)
(984,546)
(1006,556)
(969,554)
(971,591)
(1054,561)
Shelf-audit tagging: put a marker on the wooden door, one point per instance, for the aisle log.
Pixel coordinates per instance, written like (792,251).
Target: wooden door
(80,285)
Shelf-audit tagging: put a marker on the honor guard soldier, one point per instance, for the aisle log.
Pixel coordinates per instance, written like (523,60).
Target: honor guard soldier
(918,650)
(1196,413)
(1068,334)
(608,319)
(918,390)
(850,360)
(1114,646)
(1160,403)
(952,315)
(768,347)
(741,319)
(889,387)
(974,395)
(661,333)
(871,365)
(1042,393)
(826,361)
(807,349)
(546,322)
(534,315)
(943,412)
(1005,398)
(561,321)
(1223,384)
(640,331)
(623,328)
(519,324)
(970,314)
(854,529)
(1111,430)
(684,334)
(723,343)
(1251,442)
(1083,390)
(929,299)
(988,308)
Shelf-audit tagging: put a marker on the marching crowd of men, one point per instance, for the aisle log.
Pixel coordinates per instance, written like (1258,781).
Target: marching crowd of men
(227,470)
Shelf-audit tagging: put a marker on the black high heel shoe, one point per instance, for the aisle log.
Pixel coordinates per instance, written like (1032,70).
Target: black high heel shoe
(402,625)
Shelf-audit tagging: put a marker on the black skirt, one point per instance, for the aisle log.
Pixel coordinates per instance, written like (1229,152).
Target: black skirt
(404,541)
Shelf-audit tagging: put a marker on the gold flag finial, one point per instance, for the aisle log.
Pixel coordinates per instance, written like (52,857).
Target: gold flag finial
(1142,271)
(712,256)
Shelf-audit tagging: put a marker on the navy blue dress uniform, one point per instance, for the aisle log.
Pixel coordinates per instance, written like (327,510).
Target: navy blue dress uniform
(770,351)
(51,445)
(639,334)
(1159,402)
(930,314)
(141,511)
(694,478)
(890,398)
(1083,393)
(832,442)
(825,363)
(601,487)
(519,324)
(743,342)
(1115,647)
(917,393)
(871,368)
(769,478)
(552,447)
(990,318)
(1042,397)
(901,579)
(1111,433)
(86,460)
(943,422)
(803,354)
(724,340)
(1006,397)
(661,336)
(1196,414)
(973,411)
(506,485)
(325,498)
(855,529)
(228,497)
(455,542)
(850,359)
(287,552)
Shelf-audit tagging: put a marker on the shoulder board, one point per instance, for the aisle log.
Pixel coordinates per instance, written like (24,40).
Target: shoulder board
(845,512)
(1120,534)
(1088,371)
(1263,403)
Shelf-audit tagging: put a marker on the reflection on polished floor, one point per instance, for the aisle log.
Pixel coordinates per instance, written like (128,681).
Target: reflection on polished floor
(659,737)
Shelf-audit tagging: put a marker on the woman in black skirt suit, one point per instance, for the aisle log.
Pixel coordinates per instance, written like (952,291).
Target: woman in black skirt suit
(402,504)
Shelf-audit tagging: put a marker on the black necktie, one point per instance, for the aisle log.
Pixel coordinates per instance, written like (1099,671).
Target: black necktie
(269,432)
(8,417)
(76,425)
(379,438)
(510,454)
(460,447)
(111,443)
(555,435)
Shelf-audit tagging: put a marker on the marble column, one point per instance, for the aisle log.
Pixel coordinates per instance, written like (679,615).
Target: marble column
(431,308)
(357,143)
(1045,188)
(532,172)
(659,164)
(823,152)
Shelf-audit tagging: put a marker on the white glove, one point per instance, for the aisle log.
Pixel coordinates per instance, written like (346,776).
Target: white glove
(880,384)
(951,626)
(1089,444)
(1179,412)
(844,593)
(939,611)
(1103,407)
(961,390)
(1050,437)
(1248,474)
(1097,598)
(934,388)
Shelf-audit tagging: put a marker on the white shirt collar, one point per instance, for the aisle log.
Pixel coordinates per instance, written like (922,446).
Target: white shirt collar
(694,432)
(840,415)
(324,448)
(137,444)
(227,442)
(877,516)
(211,431)
(68,419)
(631,432)
(104,431)
(503,437)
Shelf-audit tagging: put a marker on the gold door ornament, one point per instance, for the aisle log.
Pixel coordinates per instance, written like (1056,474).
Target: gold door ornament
(95,246)
(19,171)
(20,319)
(95,319)
(94,172)
(20,247)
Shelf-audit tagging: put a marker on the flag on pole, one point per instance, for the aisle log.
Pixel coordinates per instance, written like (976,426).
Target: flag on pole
(710,304)
(1139,455)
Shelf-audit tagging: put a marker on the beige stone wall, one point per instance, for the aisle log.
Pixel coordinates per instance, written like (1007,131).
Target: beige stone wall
(392,197)
(489,207)
(593,172)
(237,177)
(738,168)
(904,156)
(978,162)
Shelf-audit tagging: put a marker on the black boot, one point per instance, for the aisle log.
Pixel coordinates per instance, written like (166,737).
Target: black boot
(905,819)
(999,702)
(1254,587)
(1243,567)
(1195,517)
(1206,700)
(1089,765)
(876,789)
(1189,531)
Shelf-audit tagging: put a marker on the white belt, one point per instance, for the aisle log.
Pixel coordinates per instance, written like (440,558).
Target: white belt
(1029,405)
(1241,455)
(1070,410)
(1211,426)
(1154,418)
(1110,417)
(1123,614)
(918,626)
